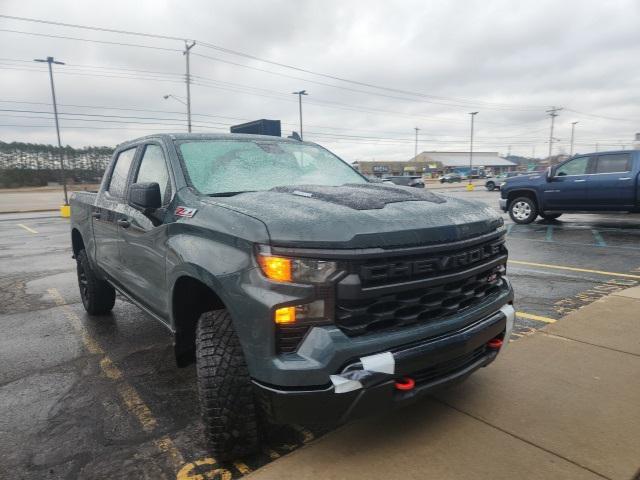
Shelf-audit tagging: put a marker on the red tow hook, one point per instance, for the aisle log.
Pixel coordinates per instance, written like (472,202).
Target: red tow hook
(405,384)
(494,344)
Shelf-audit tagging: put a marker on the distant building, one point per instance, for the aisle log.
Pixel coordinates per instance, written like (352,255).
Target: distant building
(431,163)
(636,144)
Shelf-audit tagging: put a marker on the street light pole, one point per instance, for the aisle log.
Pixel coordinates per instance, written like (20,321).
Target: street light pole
(50,61)
(415,156)
(186,52)
(573,128)
(473,115)
(300,93)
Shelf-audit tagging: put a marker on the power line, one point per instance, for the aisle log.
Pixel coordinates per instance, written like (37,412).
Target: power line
(462,101)
(63,37)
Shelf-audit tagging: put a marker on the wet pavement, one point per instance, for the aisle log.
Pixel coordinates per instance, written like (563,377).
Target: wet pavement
(84,397)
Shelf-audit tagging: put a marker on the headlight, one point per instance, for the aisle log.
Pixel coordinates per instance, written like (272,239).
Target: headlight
(298,270)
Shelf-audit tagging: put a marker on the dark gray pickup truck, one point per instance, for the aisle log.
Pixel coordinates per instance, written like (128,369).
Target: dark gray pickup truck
(303,292)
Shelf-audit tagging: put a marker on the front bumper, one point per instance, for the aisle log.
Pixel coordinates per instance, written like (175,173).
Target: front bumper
(367,386)
(503,204)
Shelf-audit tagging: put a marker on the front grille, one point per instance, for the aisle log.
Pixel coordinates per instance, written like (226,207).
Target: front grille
(428,304)
(390,270)
(443,369)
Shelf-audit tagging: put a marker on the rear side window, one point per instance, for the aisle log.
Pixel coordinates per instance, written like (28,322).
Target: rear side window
(118,181)
(577,166)
(614,163)
(153,168)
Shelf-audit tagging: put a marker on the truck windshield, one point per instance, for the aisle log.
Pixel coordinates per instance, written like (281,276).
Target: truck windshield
(233,166)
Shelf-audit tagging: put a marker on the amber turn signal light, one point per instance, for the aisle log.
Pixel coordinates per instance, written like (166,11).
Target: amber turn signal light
(275,268)
(285,316)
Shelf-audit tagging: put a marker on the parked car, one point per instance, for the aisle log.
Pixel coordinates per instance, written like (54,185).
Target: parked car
(303,292)
(407,181)
(493,183)
(595,182)
(450,178)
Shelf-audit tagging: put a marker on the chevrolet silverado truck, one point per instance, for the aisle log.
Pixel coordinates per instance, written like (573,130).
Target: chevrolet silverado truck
(596,182)
(303,292)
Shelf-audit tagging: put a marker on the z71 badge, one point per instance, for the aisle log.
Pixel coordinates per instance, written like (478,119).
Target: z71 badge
(185,212)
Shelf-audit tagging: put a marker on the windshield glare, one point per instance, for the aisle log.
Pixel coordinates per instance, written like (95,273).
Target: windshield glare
(223,166)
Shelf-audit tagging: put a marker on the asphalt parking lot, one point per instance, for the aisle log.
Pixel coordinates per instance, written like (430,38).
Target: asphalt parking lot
(102,398)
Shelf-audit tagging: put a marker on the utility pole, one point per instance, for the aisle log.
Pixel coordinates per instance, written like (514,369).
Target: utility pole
(470,185)
(50,61)
(553,114)
(533,152)
(415,156)
(186,53)
(597,147)
(573,128)
(509,151)
(300,94)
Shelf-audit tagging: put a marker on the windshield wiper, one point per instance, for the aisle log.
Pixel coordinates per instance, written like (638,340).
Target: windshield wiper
(227,194)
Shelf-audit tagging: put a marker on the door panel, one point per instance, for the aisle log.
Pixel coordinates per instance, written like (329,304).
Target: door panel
(108,211)
(144,240)
(567,190)
(612,186)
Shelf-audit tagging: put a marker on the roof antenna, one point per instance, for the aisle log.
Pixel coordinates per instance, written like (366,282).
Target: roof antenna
(295,136)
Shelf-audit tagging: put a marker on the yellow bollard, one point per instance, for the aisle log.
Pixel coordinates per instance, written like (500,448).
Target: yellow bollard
(65,211)
(470,187)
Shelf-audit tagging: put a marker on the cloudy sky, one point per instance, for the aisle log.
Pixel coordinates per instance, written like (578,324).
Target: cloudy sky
(374,71)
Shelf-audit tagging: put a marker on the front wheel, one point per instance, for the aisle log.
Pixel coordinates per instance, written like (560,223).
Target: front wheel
(550,216)
(523,210)
(98,297)
(226,395)
(490,186)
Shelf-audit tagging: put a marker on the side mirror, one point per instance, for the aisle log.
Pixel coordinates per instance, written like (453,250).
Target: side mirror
(550,174)
(145,196)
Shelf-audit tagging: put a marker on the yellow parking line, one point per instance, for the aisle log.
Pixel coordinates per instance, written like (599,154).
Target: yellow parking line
(129,395)
(530,316)
(573,269)
(27,228)
(242,468)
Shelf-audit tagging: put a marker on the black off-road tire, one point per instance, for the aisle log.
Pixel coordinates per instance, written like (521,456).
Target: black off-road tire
(98,297)
(523,210)
(550,216)
(226,396)
(490,186)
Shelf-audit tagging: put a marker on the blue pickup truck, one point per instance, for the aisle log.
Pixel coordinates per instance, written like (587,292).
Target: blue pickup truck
(595,182)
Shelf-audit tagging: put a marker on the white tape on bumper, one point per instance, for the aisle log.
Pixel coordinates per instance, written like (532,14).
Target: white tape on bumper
(344,385)
(382,362)
(510,313)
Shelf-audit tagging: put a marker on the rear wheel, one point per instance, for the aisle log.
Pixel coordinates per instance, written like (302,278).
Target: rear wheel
(550,216)
(98,297)
(490,186)
(226,395)
(523,210)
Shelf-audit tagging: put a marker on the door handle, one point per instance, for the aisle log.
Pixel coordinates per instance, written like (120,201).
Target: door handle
(582,180)
(124,223)
(96,214)
(624,178)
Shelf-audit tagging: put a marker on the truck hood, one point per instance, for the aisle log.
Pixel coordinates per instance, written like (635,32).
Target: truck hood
(361,216)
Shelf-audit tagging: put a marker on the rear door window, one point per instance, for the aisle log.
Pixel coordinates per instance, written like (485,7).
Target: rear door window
(614,163)
(118,181)
(153,168)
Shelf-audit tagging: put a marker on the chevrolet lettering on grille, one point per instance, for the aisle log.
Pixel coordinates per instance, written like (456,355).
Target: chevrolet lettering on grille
(436,264)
